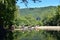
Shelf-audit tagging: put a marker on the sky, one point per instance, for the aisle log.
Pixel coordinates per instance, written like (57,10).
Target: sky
(44,3)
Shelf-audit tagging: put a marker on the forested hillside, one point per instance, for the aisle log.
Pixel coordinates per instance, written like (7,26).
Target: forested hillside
(38,12)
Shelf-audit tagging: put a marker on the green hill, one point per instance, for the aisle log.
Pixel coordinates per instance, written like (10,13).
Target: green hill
(38,12)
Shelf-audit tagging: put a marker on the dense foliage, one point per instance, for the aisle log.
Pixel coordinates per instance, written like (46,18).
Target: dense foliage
(10,15)
(7,9)
(53,21)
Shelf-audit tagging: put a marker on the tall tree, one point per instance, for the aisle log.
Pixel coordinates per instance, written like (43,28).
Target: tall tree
(7,9)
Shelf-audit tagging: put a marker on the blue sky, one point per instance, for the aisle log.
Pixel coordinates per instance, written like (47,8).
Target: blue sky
(44,3)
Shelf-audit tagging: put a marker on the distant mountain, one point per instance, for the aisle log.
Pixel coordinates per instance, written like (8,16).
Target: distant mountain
(38,12)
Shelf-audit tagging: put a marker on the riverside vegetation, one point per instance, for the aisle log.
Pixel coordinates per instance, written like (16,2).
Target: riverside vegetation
(10,15)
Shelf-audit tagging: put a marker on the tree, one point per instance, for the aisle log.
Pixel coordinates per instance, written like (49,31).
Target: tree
(54,21)
(7,9)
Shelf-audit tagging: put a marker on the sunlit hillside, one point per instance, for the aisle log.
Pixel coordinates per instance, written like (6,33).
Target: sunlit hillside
(38,12)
